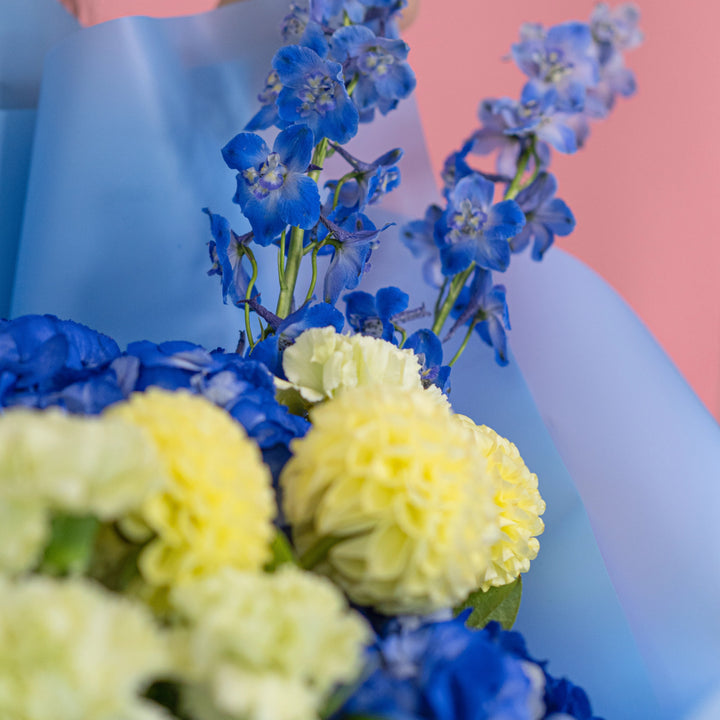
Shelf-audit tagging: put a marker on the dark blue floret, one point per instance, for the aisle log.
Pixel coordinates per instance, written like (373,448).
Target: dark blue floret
(373,315)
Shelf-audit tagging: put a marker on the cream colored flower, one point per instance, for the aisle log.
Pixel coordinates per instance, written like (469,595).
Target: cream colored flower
(217,507)
(268,647)
(322,362)
(70,650)
(54,462)
(392,470)
(520,505)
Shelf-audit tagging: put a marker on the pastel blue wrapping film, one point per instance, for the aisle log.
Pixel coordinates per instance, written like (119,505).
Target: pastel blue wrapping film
(126,152)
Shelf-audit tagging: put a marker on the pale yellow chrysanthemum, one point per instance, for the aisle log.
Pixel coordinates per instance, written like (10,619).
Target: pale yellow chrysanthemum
(217,507)
(69,650)
(520,505)
(267,646)
(322,362)
(392,468)
(54,462)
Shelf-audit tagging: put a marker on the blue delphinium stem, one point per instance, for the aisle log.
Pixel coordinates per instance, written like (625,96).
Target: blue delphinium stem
(462,347)
(456,285)
(281,260)
(295,249)
(336,195)
(516,184)
(248,295)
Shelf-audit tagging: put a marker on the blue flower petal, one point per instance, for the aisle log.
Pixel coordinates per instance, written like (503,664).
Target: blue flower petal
(295,147)
(299,202)
(557,217)
(245,150)
(391,301)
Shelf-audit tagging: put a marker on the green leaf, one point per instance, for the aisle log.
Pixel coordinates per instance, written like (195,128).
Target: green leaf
(282,551)
(497,603)
(72,540)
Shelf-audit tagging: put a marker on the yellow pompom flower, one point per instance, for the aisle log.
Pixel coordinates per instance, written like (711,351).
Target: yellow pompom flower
(393,472)
(70,649)
(54,462)
(218,505)
(520,505)
(263,646)
(322,362)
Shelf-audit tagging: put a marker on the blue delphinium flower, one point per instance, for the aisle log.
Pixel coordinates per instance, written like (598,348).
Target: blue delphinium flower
(353,241)
(226,255)
(538,114)
(474,230)
(445,671)
(427,346)
(269,351)
(45,361)
(373,314)
(419,237)
(271,188)
(546,216)
(294,23)
(484,305)
(378,64)
(561,58)
(314,93)
(267,115)
(370,182)
(615,30)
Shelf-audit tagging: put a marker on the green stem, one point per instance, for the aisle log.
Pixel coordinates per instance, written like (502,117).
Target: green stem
(462,347)
(439,300)
(248,295)
(313,263)
(516,184)
(281,259)
(403,335)
(338,187)
(456,285)
(295,250)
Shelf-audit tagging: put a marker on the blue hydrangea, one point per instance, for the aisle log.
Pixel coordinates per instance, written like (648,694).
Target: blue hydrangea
(373,314)
(474,230)
(272,190)
(314,93)
(378,64)
(484,304)
(546,216)
(45,361)
(561,695)
(226,255)
(562,58)
(445,671)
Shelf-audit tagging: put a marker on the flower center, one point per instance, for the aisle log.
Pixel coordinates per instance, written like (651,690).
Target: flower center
(375,61)
(553,65)
(466,220)
(318,94)
(268,177)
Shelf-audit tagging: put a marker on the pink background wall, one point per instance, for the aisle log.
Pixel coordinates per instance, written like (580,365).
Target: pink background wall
(643,189)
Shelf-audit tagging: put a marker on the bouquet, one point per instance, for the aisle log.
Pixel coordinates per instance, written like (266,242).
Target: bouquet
(303,527)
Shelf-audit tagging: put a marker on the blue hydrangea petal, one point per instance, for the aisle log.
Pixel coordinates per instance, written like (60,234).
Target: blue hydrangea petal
(245,150)
(295,147)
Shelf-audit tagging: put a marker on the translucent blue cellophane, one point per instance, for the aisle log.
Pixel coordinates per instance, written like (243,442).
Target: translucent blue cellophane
(125,142)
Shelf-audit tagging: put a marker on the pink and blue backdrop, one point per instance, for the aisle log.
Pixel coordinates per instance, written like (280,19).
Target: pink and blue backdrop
(643,190)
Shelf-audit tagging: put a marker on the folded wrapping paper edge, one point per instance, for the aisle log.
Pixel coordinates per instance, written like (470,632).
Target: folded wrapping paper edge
(644,454)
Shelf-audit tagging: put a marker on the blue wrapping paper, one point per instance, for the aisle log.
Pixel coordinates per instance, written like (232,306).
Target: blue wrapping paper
(126,152)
